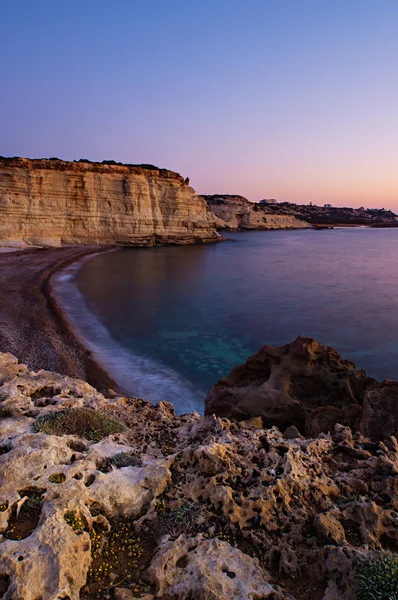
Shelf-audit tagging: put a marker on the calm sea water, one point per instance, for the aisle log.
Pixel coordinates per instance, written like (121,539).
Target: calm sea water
(168,322)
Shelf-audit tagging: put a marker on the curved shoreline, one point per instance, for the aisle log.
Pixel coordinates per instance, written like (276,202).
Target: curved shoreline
(33,326)
(130,372)
(96,374)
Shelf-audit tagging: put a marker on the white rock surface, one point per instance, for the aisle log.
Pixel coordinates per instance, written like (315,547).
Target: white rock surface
(207,570)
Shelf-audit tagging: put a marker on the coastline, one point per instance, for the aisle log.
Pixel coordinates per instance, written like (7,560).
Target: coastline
(33,326)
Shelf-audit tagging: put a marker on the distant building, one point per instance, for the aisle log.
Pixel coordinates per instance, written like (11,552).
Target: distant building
(327,206)
(268,201)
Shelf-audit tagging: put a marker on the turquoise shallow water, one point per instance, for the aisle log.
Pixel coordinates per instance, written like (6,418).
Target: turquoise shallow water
(184,316)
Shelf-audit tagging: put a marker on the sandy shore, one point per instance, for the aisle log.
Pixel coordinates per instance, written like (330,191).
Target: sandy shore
(31,325)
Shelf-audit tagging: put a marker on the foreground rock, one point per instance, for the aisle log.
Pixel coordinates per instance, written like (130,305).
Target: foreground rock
(115,498)
(304,384)
(55,202)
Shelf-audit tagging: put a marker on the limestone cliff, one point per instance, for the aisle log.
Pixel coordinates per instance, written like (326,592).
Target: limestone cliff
(237,213)
(54,202)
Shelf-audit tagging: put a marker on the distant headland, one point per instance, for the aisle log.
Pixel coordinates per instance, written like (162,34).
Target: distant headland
(237,213)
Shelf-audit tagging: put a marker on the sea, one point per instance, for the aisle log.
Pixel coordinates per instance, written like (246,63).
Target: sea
(167,322)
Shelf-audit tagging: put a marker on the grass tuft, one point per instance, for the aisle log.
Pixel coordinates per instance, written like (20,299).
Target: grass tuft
(84,422)
(120,460)
(377,577)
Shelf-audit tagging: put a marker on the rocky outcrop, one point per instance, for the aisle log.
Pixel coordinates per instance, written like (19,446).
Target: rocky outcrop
(208,569)
(329,216)
(109,497)
(54,202)
(380,410)
(304,384)
(237,213)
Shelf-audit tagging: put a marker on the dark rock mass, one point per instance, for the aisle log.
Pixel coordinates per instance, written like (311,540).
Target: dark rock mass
(380,410)
(304,384)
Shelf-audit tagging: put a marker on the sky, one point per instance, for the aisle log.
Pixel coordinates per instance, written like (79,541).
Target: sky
(289,99)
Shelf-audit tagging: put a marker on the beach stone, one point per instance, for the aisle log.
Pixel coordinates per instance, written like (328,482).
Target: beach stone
(303,384)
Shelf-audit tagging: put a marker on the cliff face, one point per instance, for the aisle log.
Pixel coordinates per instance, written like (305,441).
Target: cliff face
(236,212)
(53,202)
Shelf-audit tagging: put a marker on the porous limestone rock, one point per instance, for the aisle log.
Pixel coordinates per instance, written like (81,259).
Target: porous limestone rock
(237,213)
(290,516)
(207,570)
(304,384)
(380,410)
(54,202)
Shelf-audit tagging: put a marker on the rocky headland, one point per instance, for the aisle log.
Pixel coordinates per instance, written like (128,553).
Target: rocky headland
(103,496)
(319,216)
(51,202)
(233,213)
(237,213)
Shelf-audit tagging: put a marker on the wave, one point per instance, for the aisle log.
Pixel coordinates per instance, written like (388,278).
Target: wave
(137,375)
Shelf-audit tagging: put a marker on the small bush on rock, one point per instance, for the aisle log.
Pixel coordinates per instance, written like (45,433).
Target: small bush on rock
(84,422)
(120,460)
(377,577)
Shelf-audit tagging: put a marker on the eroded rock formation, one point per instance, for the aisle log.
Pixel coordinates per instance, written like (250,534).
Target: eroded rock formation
(305,384)
(231,212)
(54,202)
(237,213)
(138,503)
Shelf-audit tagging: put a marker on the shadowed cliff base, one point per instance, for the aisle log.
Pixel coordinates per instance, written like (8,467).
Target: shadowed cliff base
(31,326)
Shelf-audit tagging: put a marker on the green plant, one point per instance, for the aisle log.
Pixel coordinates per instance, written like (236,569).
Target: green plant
(57,478)
(377,577)
(116,557)
(75,520)
(85,422)
(122,459)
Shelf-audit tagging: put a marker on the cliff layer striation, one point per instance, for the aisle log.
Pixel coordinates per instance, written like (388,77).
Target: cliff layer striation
(52,202)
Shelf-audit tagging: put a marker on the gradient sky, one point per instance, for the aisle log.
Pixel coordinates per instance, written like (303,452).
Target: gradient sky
(291,99)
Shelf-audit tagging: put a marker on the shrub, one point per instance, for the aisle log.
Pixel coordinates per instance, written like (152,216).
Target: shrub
(120,460)
(84,422)
(377,577)
(147,166)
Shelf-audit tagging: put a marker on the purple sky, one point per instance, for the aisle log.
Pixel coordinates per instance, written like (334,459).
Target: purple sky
(292,99)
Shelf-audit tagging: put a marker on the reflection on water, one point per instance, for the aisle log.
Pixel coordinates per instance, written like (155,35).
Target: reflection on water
(192,313)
